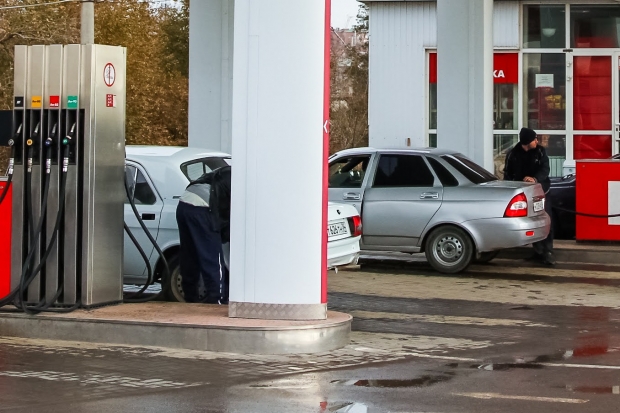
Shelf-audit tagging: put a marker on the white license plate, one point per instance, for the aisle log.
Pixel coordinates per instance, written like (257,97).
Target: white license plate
(337,228)
(539,205)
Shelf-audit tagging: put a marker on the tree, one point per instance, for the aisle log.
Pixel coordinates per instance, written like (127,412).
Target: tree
(349,85)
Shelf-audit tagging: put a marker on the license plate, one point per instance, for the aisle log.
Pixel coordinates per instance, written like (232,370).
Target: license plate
(337,228)
(539,205)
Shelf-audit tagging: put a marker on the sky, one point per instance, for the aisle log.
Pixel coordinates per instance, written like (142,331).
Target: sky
(344,13)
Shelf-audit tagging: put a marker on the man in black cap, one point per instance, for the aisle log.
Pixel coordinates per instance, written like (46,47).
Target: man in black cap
(528,162)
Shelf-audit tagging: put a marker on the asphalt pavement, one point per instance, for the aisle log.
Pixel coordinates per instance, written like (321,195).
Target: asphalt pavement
(510,336)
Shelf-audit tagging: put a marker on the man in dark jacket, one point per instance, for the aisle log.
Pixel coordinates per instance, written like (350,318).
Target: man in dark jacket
(203,217)
(528,162)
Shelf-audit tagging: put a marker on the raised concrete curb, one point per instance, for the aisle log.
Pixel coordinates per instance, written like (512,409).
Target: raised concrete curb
(183,326)
(565,252)
(573,252)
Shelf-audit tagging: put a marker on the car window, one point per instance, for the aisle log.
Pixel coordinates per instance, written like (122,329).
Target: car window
(348,172)
(195,169)
(471,170)
(403,171)
(139,188)
(446,178)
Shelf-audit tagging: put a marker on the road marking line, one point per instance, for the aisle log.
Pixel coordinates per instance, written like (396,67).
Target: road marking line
(580,366)
(447,319)
(567,365)
(489,396)
(431,356)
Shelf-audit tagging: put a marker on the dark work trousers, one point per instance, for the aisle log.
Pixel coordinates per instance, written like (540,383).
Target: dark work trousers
(200,254)
(546,245)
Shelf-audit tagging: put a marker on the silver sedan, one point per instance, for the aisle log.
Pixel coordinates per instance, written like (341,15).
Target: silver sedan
(438,202)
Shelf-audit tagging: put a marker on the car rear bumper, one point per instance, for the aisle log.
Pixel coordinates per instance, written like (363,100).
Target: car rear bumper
(498,233)
(343,251)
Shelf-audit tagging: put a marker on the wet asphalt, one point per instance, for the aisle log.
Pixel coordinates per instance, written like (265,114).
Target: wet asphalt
(411,352)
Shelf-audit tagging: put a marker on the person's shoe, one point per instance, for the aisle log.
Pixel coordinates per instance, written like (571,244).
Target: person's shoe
(548,259)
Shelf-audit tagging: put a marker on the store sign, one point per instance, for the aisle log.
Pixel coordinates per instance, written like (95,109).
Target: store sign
(505,68)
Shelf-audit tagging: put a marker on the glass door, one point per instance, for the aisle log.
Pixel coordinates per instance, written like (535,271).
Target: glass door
(593,108)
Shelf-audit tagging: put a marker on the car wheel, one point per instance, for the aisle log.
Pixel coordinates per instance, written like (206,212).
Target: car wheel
(449,249)
(486,257)
(175,286)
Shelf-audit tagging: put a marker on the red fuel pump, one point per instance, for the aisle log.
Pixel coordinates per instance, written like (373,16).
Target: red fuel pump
(5,234)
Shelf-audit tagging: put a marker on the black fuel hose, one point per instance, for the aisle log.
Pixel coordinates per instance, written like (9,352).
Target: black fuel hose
(25,279)
(44,306)
(165,285)
(149,279)
(585,214)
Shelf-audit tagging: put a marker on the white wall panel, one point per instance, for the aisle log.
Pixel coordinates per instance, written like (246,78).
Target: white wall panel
(399,33)
(506,24)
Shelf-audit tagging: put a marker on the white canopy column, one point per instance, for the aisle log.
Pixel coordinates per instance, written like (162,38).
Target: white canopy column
(279,193)
(465,78)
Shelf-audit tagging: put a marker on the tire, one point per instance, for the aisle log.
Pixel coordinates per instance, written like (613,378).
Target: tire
(175,289)
(486,257)
(449,250)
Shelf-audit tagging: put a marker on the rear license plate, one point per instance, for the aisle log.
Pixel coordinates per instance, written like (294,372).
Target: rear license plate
(539,205)
(337,228)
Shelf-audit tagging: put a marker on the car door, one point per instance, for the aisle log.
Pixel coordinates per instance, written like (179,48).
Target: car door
(149,206)
(401,199)
(347,179)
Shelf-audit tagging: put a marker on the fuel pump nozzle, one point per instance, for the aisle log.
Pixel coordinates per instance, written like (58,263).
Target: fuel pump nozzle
(49,141)
(11,162)
(29,143)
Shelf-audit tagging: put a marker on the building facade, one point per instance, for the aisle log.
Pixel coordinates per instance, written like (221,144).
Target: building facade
(555,68)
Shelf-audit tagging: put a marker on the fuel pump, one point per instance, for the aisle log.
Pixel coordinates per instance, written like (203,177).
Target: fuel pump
(66,174)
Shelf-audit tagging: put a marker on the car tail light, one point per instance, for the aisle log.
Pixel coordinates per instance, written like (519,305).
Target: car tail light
(517,207)
(355,225)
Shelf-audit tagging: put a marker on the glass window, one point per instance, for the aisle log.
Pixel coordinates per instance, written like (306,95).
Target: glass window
(544,27)
(594,26)
(446,178)
(139,188)
(143,193)
(545,90)
(130,180)
(432,140)
(505,106)
(195,169)
(556,150)
(470,170)
(403,171)
(591,146)
(592,86)
(348,172)
(432,91)
(501,145)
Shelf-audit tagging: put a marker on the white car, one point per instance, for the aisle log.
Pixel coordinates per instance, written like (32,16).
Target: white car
(157,177)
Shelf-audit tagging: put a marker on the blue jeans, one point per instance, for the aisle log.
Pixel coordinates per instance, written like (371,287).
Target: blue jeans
(200,254)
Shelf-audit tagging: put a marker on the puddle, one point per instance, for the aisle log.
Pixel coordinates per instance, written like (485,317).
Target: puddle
(423,381)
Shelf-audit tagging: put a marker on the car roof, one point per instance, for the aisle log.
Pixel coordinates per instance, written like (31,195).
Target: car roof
(428,151)
(163,165)
(176,154)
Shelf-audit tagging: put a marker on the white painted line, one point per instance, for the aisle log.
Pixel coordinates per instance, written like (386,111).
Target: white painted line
(580,366)
(489,396)
(432,356)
